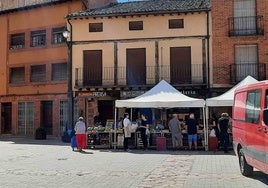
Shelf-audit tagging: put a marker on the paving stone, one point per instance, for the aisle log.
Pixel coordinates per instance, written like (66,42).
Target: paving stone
(27,163)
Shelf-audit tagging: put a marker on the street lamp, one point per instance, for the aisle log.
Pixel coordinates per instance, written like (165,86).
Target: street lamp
(66,34)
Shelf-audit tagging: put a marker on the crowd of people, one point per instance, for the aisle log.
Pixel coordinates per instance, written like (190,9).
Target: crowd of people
(220,127)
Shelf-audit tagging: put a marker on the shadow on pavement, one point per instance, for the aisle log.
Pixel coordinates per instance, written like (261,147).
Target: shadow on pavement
(27,140)
(260,176)
(170,152)
(83,152)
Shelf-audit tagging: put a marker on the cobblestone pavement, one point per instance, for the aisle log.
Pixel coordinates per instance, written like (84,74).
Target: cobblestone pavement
(52,163)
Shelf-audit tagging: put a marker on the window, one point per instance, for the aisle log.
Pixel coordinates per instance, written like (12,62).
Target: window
(95,27)
(59,71)
(38,38)
(246,61)
(26,118)
(136,25)
(244,17)
(253,106)
(175,23)
(17,41)
(17,75)
(38,73)
(57,35)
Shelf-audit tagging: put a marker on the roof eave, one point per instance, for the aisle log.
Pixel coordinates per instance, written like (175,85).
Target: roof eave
(31,7)
(136,14)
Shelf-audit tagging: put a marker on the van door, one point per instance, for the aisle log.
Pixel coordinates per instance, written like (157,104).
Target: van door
(265,134)
(254,136)
(265,139)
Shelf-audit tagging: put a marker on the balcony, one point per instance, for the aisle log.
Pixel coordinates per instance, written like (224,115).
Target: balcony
(194,75)
(239,71)
(246,26)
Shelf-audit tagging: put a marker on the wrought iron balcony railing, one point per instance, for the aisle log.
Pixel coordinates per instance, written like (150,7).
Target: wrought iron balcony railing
(239,71)
(141,76)
(246,26)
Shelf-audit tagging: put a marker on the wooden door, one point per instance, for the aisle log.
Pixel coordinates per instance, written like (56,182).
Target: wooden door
(92,69)
(47,116)
(136,66)
(6,118)
(180,65)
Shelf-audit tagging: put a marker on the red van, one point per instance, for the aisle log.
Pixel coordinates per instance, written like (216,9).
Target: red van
(250,127)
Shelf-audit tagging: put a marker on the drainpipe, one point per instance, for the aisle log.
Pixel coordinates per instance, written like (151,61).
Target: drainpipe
(208,54)
(69,73)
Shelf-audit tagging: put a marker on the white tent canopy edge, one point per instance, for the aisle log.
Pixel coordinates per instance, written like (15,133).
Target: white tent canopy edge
(227,98)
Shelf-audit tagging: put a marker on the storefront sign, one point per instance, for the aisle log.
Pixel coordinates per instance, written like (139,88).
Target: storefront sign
(99,94)
(189,92)
(92,94)
(128,94)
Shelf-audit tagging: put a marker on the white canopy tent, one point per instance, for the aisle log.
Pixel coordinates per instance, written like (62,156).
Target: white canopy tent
(163,95)
(227,98)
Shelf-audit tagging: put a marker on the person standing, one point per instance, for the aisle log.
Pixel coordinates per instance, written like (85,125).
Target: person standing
(191,127)
(127,132)
(97,119)
(223,125)
(80,131)
(142,128)
(175,129)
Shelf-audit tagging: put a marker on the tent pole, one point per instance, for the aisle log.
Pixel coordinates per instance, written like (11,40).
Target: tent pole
(115,128)
(206,145)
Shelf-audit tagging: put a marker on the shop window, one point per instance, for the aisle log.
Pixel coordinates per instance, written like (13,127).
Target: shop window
(136,25)
(57,35)
(38,73)
(175,23)
(59,71)
(17,75)
(38,38)
(17,41)
(95,27)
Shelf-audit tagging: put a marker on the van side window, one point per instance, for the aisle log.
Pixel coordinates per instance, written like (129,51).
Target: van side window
(253,104)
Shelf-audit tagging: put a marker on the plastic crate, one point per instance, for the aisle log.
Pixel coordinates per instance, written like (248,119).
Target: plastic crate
(161,143)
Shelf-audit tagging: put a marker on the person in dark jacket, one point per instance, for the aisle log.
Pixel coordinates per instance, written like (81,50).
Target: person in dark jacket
(223,125)
(192,127)
(143,127)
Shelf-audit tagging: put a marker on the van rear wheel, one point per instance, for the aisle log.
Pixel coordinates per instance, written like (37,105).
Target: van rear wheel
(245,168)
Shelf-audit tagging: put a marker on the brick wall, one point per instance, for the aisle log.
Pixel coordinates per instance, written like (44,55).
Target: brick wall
(223,45)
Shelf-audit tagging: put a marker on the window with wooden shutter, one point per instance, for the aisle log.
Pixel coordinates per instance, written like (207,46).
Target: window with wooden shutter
(59,71)
(17,75)
(175,23)
(38,73)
